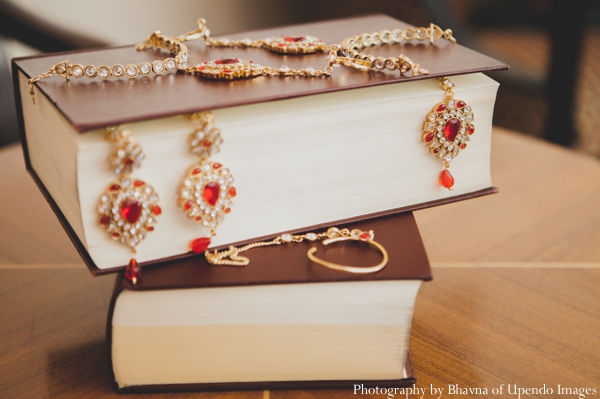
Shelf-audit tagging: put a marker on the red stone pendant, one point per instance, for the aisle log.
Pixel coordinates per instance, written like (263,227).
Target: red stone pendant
(133,272)
(207,194)
(128,210)
(446,131)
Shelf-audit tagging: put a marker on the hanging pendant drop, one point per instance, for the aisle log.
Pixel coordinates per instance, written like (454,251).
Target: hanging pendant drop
(133,272)
(446,179)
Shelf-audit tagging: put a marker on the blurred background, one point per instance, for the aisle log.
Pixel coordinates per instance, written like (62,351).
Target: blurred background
(552,90)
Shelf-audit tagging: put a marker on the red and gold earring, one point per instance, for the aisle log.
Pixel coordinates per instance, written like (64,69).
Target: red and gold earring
(128,208)
(207,190)
(447,130)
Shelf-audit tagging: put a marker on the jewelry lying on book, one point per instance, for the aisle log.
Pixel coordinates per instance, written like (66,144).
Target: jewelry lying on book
(447,130)
(231,256)
(129,207)
(350,56)
(234,68)
(207,191)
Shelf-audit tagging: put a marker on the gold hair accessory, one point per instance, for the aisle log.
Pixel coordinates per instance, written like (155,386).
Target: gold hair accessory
(129,207)
(231,256)
(207,191)
(447,130)
(234,68)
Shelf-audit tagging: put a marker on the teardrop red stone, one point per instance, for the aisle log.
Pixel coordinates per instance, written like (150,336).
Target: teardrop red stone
(196,171)
(132,271)
(105,220)
(130,210)
(156,210)
(232,192)
(463,146)
(216,165)
(451,129)
(470,129)
(138,183)
(211,193)
(187,205)
(460,104)
(446,179)
(114,187)
(429,137)
(199,245)
(441,108)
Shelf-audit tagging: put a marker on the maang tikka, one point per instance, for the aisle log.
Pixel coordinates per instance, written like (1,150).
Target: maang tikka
(447,130)
(207,191)
(129,207)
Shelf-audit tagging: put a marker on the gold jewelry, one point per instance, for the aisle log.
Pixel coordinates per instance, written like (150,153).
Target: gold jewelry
(129,207)
(350,56)
(447,130)
(207,191)
(231,257)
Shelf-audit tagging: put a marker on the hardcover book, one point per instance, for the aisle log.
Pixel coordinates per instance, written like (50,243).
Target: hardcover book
(281,322)
(305,152)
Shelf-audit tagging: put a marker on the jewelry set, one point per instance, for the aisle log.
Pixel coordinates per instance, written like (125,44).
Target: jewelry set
(129,208)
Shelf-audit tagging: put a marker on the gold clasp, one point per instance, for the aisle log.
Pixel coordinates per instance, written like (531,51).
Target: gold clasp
(354,63)
(435,33)
(201,33)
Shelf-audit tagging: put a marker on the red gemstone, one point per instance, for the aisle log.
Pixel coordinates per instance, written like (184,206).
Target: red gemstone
(281,44)
(201,68)
(222,61)
(199,245)
(198,218)
(446,179)
(436,150)
(293,38)
(216,165)
(470,129)
(156,210)
(211,193)
(131,210)
(441,108)
(196,171)
(227,70)
(207,144)
(232,192)
(460,104)
(150,228)
(364,236)
(105,220)
(138,183)
(463,146)
(451,129)
(114,187)
(115,234)
(129,161)
(429,137)
(227,210)
(187,205)
(132,271)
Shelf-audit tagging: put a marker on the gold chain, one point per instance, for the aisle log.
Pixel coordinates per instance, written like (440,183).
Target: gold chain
(230,256)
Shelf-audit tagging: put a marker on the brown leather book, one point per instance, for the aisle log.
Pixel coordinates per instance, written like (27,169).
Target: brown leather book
(329,150)
(281,322)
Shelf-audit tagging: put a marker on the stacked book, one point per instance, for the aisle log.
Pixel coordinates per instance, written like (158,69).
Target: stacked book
(350,150)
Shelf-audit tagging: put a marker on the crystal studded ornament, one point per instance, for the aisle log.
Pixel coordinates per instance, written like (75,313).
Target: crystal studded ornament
(207,192)
(128,208)
(295,44)
(229,68)
(447,130)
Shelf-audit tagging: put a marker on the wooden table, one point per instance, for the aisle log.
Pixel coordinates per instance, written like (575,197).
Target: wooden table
(515,299)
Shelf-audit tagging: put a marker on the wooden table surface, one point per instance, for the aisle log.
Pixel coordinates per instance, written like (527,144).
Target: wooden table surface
(515,297)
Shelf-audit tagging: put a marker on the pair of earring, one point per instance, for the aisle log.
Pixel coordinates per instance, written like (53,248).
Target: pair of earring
(128,209)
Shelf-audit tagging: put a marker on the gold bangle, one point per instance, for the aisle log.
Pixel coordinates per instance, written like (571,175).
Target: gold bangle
(363,236)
